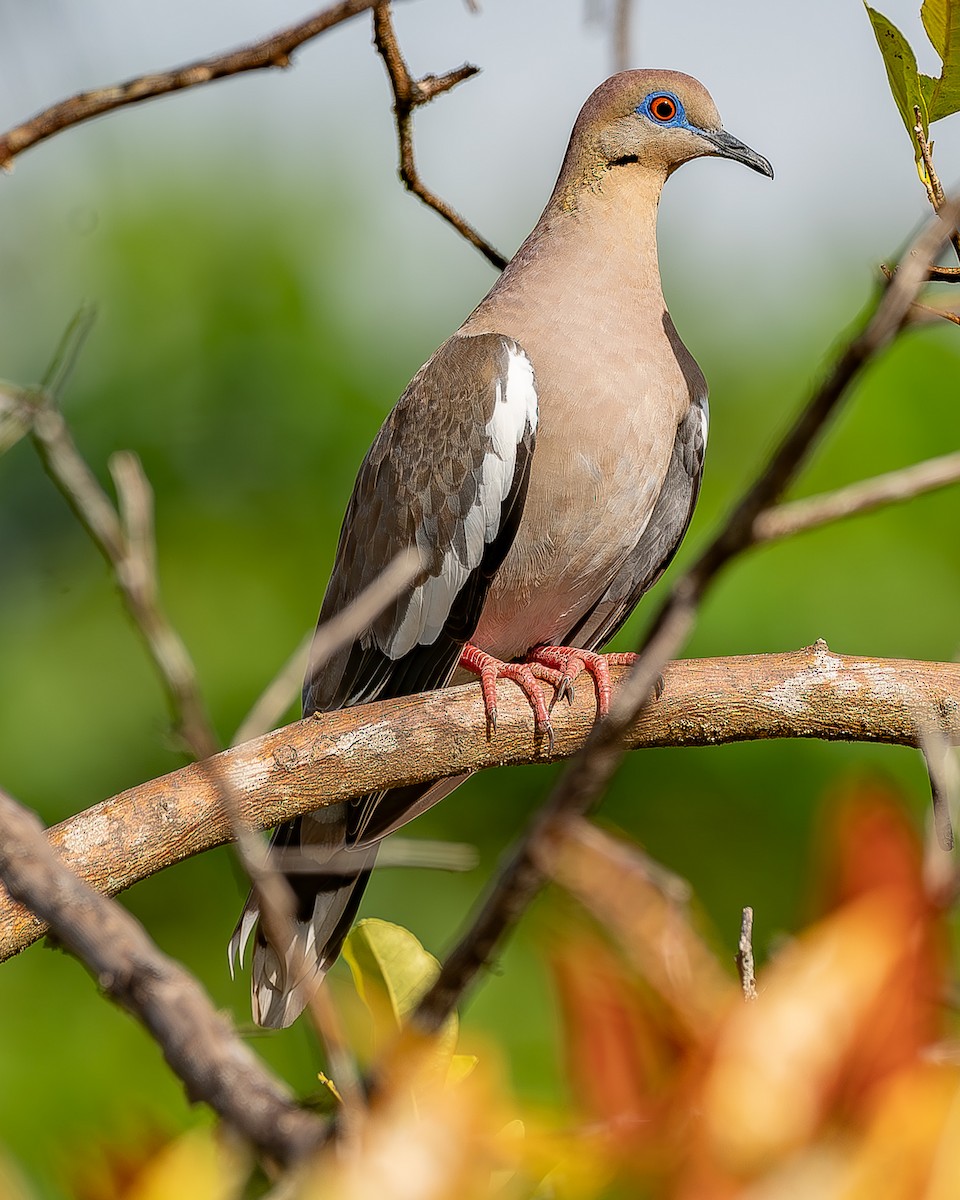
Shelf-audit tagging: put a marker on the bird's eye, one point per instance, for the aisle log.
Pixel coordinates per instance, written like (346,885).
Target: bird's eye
(663,108)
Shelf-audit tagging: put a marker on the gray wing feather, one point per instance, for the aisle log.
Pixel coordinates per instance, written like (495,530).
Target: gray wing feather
(448,473)
(660,539)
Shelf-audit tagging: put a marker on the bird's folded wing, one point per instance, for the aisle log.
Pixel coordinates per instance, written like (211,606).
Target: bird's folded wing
(447,474)
(662,535)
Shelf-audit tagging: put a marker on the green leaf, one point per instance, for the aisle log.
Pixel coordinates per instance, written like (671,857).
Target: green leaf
(391,971)
(934,15)
(902,74)
(941,20)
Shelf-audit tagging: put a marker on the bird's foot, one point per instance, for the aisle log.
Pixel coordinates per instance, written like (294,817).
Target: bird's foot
(570,662)
(526,675)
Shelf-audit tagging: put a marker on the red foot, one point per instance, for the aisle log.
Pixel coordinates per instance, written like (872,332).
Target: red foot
(524,675)
(570,663)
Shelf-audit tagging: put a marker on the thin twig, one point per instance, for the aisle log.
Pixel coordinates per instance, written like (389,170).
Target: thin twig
(318,647)
(944,782)
(931,181)
(14,422)
(277,914)
(584,780)
(199,1044)
(929,178)
(408,95)
(276,697)
(745,966)
(125,540)
(395,851)
(273,51)
(941,868)
(785,520)
(330,757)
(275,898)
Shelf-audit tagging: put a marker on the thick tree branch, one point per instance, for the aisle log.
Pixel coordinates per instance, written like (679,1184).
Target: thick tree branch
(199,1044)
(273,51)
(810,693)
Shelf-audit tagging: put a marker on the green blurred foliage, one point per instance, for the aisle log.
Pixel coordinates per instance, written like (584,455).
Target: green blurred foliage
(230,358)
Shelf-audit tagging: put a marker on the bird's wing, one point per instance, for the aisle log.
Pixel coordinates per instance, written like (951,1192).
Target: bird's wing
(659,541)
(447,474)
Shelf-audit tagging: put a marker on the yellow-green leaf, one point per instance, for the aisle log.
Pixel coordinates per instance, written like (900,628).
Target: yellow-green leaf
(934,14)
(461,1065)
(391,971)
(941,20)
(902,73)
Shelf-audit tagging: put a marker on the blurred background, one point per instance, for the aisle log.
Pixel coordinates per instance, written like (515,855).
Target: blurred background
(265,289)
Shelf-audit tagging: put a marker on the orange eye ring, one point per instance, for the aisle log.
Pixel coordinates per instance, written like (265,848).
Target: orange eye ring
(663,108)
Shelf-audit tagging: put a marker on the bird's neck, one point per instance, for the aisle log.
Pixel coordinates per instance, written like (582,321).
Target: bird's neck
(594,245)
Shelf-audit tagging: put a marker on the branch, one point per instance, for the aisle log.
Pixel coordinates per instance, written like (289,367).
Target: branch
(328,640)
(272,51)
(199,1044)
(580,786)
(744,959)
(785,520)
(931,181)
(125,539)
(408,95)
(329,757)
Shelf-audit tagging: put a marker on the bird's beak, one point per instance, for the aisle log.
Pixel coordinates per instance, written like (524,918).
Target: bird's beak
(727,146)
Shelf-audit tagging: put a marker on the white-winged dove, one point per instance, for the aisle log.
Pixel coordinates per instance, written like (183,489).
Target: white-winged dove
(545,462)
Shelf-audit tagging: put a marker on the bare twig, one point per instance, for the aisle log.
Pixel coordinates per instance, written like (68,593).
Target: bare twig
(929,178)
(275,898)
(745,967)
(273,51)
(14,423)
(810,693)
(328,639)
(277,913)
(395,851)
(198,1043)
(584,781)
(944,782)
(931,181)
(785,520)
(125,540)
(408,95)
(277,696)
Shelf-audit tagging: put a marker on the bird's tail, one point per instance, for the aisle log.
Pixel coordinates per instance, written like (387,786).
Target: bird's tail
(327,881)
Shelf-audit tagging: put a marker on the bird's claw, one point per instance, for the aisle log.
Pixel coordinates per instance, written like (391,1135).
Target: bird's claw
(558,666)
(571,662)
(526,676)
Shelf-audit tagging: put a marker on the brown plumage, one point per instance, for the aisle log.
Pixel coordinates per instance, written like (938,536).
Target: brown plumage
(545,462)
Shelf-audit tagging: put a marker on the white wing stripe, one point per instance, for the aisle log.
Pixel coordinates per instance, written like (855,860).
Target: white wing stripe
(514,417)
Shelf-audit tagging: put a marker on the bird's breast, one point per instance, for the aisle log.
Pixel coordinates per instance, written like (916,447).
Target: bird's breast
(604,443)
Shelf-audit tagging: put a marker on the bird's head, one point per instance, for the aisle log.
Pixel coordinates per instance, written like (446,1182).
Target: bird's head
(657,120)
